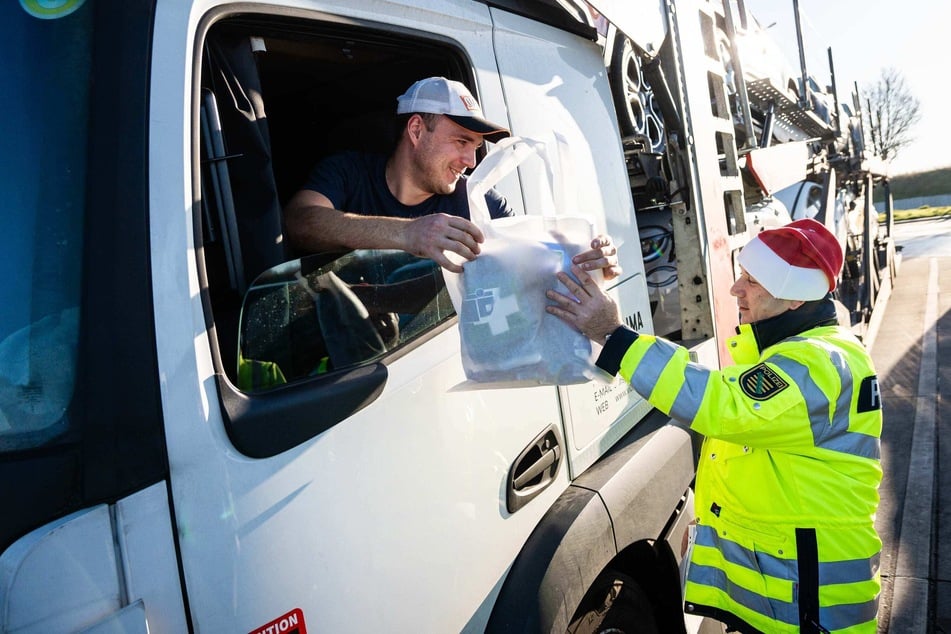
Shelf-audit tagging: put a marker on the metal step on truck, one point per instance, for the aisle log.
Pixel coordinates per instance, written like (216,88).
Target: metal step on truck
(153,485)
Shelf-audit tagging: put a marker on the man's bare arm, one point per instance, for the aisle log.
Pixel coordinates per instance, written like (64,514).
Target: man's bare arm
(313,225)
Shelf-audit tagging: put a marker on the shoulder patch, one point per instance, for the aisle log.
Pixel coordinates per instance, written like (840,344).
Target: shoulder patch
(761,382)
(870,399)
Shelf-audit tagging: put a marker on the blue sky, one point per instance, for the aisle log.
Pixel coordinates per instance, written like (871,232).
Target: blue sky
(867,36)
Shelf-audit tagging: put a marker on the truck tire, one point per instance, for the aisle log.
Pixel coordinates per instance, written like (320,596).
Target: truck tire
(627,84)
(615,604)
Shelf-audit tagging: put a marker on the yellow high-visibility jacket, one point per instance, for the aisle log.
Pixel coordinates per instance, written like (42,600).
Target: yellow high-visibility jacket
(787,482)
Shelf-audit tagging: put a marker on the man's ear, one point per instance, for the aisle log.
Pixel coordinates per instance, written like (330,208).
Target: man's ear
(414,127)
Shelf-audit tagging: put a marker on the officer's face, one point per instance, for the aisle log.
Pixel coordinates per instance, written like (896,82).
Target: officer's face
(755,302)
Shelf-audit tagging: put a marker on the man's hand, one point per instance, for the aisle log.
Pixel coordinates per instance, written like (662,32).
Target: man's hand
(602,255)
(591,311)
(429,236)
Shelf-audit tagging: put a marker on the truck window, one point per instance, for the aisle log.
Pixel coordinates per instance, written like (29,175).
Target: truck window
(43,176)
(277,95)
(305,318)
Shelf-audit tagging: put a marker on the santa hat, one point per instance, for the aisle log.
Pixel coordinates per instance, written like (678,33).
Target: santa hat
(799,261)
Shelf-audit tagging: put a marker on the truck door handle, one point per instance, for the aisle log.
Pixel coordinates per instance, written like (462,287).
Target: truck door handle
(534,469)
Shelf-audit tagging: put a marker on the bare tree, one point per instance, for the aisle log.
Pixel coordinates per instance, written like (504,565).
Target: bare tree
(893,112)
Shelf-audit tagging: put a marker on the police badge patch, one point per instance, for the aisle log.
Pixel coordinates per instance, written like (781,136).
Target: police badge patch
(761,382)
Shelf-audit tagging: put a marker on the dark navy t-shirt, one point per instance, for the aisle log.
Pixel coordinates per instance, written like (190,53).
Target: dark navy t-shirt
(356,182)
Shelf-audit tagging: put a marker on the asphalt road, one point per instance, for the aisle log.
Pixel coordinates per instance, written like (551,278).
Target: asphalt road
(912,353)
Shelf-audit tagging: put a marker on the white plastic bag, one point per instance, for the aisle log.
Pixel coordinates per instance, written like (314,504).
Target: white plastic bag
(507,337)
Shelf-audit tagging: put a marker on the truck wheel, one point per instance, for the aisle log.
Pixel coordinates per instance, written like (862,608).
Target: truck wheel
(615,604)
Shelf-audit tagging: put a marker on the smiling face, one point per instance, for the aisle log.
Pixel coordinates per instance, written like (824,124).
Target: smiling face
(444,150)
(755,302)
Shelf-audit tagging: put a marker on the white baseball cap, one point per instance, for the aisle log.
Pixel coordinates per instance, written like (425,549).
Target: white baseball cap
(438,95)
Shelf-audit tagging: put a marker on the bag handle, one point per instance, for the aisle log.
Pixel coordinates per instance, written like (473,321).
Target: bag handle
(508,154)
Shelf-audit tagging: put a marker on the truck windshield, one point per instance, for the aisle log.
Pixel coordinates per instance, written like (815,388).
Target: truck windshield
(47,55)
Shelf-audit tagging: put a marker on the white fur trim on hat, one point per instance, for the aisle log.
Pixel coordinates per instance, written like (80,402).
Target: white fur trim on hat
(782,279)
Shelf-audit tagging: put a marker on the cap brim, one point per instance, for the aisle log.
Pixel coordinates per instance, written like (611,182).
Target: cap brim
(492,133)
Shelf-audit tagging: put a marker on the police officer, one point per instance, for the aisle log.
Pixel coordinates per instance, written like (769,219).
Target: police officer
(787,483)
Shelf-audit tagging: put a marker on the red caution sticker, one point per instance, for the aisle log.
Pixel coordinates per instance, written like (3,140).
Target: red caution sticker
(290,623)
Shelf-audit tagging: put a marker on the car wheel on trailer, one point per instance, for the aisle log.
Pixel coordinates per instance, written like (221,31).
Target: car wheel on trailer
(627,84)
(615,604)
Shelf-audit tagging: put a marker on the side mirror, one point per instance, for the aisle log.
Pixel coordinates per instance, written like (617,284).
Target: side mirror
(313,340)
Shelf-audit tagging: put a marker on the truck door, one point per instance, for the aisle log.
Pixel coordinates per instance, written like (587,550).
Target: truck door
(573,98)
(364,495)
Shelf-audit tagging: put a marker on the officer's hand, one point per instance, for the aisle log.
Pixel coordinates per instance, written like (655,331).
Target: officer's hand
(602,255)
(589,310)
(429,236)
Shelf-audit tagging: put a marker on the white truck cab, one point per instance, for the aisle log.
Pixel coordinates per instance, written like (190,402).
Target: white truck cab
(186,443)
(202,430)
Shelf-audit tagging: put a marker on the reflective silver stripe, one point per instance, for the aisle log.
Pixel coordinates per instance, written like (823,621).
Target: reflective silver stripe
(782,611)
(844,402)
(850,571)
(689,396)
(687,403)
(760,562)
(834,434)
(845,615)
(647,372)
(831,617)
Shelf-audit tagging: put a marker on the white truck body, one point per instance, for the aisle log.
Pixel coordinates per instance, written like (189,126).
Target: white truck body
(152,488)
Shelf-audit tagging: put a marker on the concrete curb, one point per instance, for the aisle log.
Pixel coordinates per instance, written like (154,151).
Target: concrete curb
(911,595)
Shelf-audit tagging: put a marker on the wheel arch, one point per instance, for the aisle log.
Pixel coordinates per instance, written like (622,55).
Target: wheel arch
(579,537)
(560,560)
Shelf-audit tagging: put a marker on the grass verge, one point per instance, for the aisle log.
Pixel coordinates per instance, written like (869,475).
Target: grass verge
(915,214)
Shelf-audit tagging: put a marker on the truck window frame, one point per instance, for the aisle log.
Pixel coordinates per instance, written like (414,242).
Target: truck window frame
(265,423)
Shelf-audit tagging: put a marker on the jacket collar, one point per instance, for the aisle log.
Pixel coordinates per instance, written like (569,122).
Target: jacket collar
(767,332)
